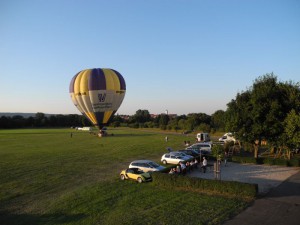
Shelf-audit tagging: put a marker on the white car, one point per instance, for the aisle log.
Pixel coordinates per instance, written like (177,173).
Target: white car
(169,158)
(146,165)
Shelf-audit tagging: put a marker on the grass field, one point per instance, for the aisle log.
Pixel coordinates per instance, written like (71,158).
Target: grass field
(47,177)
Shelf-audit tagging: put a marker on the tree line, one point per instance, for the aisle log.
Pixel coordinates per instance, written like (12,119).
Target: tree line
(141,119)
(268,110)
(41,120)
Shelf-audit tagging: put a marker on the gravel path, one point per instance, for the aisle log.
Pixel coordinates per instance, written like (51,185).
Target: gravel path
(267,177)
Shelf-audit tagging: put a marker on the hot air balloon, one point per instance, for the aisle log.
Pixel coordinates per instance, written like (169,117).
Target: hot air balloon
(97,94)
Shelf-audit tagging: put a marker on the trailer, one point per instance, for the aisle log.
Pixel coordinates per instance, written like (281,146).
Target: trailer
(203,137)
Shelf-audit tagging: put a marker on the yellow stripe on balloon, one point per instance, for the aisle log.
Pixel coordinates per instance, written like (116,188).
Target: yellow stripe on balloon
(107,115)
(77,84)
(92,117)
(82,94)
(111,79)
(112,83)
(116,82)
(84,82)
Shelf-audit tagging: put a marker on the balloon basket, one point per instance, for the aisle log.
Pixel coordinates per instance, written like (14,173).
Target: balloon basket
(102,133)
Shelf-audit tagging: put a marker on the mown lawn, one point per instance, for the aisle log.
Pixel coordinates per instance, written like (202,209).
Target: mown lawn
(47,177)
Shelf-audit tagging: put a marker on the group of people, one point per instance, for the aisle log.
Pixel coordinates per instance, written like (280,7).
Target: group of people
(183,168)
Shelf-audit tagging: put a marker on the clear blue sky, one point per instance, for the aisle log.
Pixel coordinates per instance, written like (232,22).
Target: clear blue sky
(177,55)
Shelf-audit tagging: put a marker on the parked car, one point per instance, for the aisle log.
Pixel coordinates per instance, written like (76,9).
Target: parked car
(135,174)
(146,165)
(203,146)
(169,158)
(190,152)
(203,153)
(186,156)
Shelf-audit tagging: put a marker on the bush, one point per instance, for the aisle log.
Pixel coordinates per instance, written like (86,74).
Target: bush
(227,188)
(269,161)
(228,145)
(217,150)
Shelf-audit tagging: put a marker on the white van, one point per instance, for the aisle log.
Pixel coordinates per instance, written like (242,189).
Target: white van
(203,137)
(227,137)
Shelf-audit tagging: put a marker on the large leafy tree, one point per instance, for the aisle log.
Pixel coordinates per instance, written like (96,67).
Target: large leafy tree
(260,112)
(141,116)
(292,129)
(197,121)
(218,120)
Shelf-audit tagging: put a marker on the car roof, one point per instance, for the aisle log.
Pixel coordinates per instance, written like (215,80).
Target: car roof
(141,161)
(201,144)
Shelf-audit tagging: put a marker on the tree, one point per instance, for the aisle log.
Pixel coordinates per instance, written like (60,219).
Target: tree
(141,116)
(40,119)
(259,112)
(218,120)
(292,130)
(5,122)
(237,117)
(163,121)
(173,124)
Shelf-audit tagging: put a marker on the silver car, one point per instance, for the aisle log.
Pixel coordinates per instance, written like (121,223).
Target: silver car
(170,158)
(184,155)
(146,165)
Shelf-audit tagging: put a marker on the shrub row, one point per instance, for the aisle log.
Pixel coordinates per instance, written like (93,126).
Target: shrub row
(225,188)
(270,161)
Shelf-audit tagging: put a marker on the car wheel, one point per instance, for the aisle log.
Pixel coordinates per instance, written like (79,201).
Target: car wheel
(139,180)
(164,162)
(122,177)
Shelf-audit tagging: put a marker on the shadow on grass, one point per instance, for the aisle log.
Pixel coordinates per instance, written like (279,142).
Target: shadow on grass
(8,218)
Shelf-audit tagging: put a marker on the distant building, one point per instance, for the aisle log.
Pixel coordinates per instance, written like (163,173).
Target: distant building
(172,116)
(125,117)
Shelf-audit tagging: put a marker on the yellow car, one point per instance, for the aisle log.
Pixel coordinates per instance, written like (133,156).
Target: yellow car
(135,174)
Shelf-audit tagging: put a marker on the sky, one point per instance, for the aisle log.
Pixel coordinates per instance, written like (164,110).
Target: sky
(183,56)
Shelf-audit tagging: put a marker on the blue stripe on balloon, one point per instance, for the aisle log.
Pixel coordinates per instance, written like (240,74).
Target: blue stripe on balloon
(112,116)
(97,80)
(99,117)
(121,80)
(71,87)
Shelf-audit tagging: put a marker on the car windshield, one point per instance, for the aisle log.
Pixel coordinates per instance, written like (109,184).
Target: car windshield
(200,151)
(135,171)
(177,154)
(153,164)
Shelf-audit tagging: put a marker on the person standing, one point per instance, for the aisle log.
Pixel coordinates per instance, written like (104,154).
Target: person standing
(166,138)
(204,164)
(225,158)
(183,168)
(178,168)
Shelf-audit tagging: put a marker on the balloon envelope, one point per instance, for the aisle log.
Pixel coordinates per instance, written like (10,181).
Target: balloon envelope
(97,94)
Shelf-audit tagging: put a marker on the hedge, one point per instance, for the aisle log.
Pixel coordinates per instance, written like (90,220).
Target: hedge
(270,161)
(220,187)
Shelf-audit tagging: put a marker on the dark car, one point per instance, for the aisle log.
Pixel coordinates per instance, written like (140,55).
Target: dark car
(196,153)
(189,152)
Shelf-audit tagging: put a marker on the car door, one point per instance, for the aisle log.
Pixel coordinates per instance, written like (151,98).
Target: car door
(173,159)
(130,174)
(145,167)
